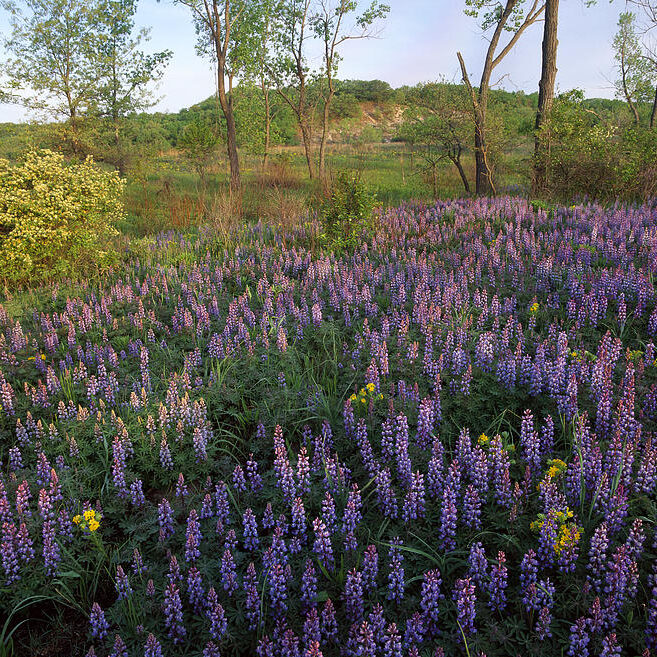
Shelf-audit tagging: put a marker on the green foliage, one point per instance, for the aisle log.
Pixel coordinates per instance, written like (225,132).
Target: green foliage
(592,156)
(55,218)
(347,211)
(199,141)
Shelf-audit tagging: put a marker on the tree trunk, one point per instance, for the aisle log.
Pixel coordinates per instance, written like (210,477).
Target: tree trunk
(265,155)
(322,143)
(545,93)
(457,163)
(307,146)
(653,114)
(226,103)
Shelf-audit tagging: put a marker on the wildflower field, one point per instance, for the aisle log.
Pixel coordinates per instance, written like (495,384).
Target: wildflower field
(441,442)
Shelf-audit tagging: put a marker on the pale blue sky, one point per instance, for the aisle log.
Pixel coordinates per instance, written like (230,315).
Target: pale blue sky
(417,43)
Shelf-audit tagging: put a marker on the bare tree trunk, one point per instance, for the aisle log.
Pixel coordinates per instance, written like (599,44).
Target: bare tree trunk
(545,92)
(653,114)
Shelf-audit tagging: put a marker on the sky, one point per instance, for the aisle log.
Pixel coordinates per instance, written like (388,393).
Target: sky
(416,43)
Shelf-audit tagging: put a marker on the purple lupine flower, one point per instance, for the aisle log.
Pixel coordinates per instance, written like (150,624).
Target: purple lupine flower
(415,630)
(122,584)
(251,540)
(165,519)
(351,518)
(228,572)
(396,574)
(211,650)
(51,552)
(328,513)
(195,591)
(216,616)
(119,649)
(239,482)
(465,597)
(313,650)
(353,596)
(312,632)
(610,646)
(152,647)
(472,508)
(377,623)
(23,496)
(425,423)
(528,576)
(173,616)
(431,597)
(165,455)
(150,588)
(478,564)
(278,578)
(24,545)
(9,554)
(530,443)
(174,574)
(386,494)
(255,480)
(303,471)
(579,639)
(222,504)
(498,582)
(370,568)
(543,623)
(447,531)
(268,517)
(403,461)
(597,556)
(308,586)
(137,562)
(414,501)
(392,645)
(322,546)
(181,487)
(360,640)
(252,598)
(99,625)
(329,623)
(193,537)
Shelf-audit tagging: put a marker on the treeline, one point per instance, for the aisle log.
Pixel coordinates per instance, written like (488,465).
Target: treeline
(96,85)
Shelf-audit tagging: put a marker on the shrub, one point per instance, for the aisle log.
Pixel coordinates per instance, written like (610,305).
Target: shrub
(347,211)
(55,218)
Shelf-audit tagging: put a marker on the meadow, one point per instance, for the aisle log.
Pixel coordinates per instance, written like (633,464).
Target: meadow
(441,442)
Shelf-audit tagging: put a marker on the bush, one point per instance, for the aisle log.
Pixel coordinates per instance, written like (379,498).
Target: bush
(347,211)
(55,218)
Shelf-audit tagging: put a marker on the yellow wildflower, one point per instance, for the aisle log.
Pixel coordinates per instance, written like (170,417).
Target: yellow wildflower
(93,525)
(483,439)
(371,387)
(533,308)
(77,519)
(89,515)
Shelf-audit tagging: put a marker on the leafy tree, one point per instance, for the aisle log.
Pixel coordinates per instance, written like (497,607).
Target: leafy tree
(228,33)
(330,25)
(509,16)
(53,63)
(634,84)
(126,72)
(199,142)
(290,68)
(545,90)
(438,120)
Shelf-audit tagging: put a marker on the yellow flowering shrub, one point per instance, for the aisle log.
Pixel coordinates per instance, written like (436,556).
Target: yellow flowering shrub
(55,217)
